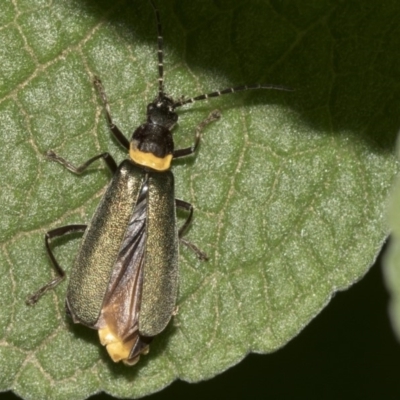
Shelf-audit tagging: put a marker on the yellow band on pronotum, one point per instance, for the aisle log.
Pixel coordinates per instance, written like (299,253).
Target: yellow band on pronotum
(150,160)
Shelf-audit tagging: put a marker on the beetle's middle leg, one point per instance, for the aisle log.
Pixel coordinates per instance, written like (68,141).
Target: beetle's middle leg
(188,207)
(107,157)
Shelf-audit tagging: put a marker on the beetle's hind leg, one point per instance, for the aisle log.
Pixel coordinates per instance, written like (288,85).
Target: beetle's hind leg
(32,299)
(188,207)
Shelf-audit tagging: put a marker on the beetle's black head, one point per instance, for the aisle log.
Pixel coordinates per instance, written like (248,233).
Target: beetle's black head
(152,145)
(161,112)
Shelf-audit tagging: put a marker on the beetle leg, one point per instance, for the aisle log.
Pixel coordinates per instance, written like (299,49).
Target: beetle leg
(107,157)
(213,116)
(114,128)
(32,299)
(188,207)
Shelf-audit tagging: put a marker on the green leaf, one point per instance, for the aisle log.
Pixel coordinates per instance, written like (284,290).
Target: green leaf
(289,188)
(392,257)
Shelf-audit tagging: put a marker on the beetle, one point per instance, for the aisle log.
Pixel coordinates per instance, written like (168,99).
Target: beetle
(124,281)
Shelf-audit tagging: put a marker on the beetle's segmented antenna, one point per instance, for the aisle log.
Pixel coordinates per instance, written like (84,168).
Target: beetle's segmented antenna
(160,51)
(228,91)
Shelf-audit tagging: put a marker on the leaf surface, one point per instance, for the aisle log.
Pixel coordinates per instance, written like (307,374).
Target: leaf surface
(289,188)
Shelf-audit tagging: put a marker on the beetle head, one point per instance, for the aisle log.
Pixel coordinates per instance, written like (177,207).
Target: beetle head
(161,112)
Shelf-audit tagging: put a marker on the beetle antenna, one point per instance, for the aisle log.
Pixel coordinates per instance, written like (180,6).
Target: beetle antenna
(228,91)
(160,51)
